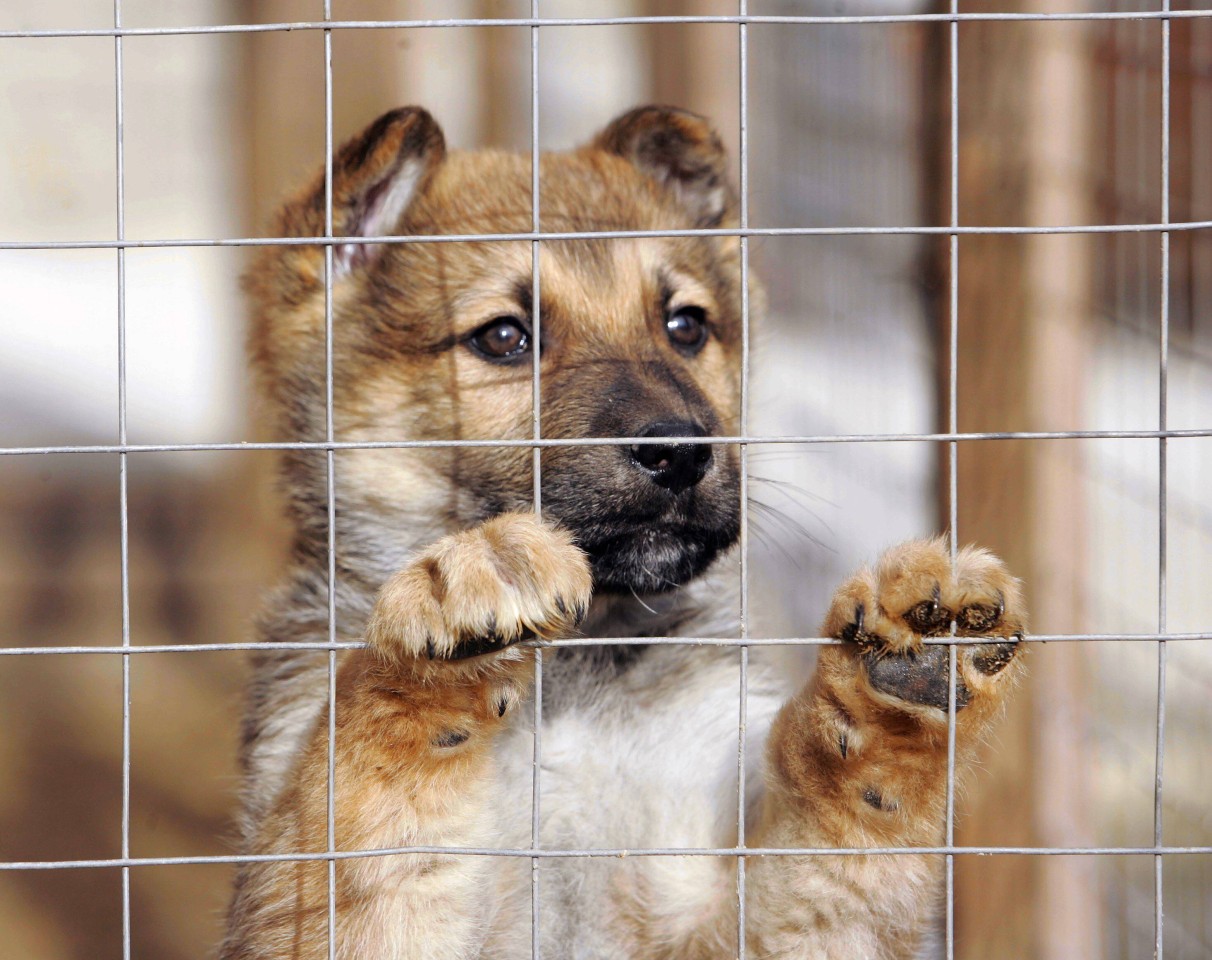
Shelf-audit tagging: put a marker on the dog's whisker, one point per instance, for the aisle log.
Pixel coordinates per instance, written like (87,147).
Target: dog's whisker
(640,601)
(771,542)
(775,513)
(797,496)
(770,538)
(788,521)
(797,493)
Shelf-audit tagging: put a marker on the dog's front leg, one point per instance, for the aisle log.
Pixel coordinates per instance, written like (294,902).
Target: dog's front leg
(859,757)
(416,714)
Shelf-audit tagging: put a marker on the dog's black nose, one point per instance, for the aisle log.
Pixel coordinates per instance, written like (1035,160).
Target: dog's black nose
(676,467)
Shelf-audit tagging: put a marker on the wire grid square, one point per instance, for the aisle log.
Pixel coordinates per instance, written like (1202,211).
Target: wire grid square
(1163,228)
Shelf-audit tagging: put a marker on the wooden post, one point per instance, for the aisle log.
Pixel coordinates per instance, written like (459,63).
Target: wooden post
(1024,307)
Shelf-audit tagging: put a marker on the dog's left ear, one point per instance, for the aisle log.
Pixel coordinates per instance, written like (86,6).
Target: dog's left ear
(679,150)
(375,176)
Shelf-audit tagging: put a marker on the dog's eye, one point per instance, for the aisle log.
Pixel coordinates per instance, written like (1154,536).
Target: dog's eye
(687,328)
(502,338)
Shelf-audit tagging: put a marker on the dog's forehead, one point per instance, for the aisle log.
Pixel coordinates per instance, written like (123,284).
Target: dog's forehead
(605,284)
(612,284)
(586,190)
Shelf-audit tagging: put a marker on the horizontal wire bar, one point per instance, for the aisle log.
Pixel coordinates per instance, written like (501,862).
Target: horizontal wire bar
(754,19)
(618,853)
(320,445)
(271,645)
(561,235)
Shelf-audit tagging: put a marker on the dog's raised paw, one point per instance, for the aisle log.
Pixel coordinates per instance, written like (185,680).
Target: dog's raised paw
(914,592)
(482,591)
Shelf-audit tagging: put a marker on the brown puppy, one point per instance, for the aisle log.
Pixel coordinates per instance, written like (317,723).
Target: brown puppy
(442,566)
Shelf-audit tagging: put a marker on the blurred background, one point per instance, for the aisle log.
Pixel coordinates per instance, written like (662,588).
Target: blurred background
(1060,123)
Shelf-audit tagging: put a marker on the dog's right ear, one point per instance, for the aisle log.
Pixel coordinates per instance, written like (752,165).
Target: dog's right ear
(680,151)
(375,176)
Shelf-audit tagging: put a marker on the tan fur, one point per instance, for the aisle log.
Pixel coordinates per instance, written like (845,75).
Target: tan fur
(866,769)
(443,569)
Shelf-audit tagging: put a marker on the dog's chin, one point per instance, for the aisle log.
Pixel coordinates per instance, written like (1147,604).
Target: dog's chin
(639,537)
(654,559)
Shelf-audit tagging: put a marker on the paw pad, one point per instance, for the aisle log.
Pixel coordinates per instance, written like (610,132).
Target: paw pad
(994,657)
(917,591)
(928,618)
(917,677)
(980,617)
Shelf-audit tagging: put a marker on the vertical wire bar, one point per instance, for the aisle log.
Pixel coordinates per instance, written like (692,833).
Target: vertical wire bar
(537,455)
(743,704)
(1163,364)
(123,503)
(330,464)
(953,468)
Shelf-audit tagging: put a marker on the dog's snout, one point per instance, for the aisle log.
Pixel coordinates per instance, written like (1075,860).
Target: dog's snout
(674,466)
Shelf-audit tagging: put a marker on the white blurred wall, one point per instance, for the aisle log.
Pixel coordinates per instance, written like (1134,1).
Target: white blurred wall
(59,314)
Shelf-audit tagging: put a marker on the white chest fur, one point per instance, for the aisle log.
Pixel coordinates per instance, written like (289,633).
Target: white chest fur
(648,761)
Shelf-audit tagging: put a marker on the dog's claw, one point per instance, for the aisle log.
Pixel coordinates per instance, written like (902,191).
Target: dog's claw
(451,738)
(854,630)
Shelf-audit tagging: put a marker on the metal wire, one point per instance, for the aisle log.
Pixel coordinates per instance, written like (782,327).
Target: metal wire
(1163,369)
(608,441)
(788,20)
(536,410)
(952,464)
(609,853)
(615,641)
(743,705)
(841,231)
(536,236)
(123,489)
(331,504)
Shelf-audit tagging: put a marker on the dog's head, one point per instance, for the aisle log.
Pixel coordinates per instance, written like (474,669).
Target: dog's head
(640,338)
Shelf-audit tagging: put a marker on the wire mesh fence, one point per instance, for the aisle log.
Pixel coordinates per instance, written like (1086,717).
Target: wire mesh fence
(1149,222)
